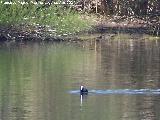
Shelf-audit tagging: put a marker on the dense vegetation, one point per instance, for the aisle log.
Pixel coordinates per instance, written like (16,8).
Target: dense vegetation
(56,18)
(67,16)
(146,11)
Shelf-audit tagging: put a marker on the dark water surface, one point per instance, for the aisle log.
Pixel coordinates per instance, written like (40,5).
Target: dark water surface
(41,81)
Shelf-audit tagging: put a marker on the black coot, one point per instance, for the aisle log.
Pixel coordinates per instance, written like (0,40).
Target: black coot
(83,90)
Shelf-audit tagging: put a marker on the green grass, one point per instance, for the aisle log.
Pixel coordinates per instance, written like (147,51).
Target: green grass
(64,21)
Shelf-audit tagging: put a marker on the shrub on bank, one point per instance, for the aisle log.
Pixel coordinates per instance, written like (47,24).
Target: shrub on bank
(61,20)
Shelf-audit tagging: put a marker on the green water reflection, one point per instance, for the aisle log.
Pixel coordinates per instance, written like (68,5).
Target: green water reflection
(35,80)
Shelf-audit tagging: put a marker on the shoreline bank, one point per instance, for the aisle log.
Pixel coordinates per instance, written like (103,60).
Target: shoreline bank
(24,33)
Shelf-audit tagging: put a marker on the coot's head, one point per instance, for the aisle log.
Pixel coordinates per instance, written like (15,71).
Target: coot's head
(83,90)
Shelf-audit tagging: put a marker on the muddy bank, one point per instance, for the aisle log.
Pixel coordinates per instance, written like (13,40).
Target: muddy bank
(27,33)
(129,25)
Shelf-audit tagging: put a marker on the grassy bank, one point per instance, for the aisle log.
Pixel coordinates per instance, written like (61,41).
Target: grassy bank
(57,19)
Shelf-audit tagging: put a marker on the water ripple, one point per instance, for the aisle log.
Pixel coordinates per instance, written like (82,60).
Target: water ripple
(120,91)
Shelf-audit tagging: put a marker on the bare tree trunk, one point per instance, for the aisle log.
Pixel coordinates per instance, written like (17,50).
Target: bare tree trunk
(107,6)
(143,7)
(110,6)
(96,6)
(104,7)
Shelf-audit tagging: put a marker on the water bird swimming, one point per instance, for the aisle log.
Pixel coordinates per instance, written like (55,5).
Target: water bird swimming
(83,90)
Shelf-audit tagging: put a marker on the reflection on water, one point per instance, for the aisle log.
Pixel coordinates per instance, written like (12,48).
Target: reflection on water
(35,80)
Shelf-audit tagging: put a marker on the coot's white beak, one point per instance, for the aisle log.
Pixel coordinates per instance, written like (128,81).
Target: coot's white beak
(81,87)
